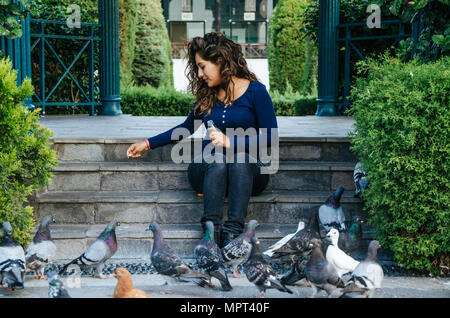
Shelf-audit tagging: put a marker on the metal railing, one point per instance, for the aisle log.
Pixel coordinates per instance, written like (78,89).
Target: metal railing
(40,42)
(348,42)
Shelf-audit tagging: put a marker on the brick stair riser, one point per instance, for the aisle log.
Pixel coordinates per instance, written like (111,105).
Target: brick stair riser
(308,180)
(116,152)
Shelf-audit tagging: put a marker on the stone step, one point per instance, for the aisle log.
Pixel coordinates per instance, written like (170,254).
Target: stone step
(135,243)
(152,176)
(114,150)
(174,207)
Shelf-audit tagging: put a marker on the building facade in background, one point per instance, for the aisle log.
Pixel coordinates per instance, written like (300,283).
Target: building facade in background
(243,21)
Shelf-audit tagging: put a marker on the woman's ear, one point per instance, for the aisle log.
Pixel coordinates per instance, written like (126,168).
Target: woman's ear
(219,60)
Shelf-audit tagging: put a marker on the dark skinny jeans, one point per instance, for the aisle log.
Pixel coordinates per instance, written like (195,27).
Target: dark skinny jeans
(216,179)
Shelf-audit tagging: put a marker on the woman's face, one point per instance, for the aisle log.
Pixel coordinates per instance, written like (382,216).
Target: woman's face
(208,71)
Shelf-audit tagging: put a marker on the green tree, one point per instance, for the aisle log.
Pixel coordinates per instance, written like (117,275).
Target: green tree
(25,155)
(291,56)
(153,52)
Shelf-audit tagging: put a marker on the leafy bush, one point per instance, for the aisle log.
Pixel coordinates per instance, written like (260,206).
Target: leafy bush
(402,113)
(25,156)
(10,17)
(150,101)
(293,103)
(127,34)
(291,56)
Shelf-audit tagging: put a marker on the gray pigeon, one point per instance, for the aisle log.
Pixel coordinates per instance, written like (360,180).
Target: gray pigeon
(238,250)
(260,273)
(12,260)
(367,276)
(56,287)
(99,252)
(209,257)
(319,272)
(331,214)
(359,179)
(42,250)
(168,263)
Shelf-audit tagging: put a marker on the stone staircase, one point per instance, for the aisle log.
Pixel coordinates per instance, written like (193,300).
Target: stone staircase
(95,183)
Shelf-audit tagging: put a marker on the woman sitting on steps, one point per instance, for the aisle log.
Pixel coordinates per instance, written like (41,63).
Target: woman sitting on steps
(228,95)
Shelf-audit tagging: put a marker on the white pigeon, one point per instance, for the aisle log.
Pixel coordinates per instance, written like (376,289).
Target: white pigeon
(366,277)
(270,251)
(342,262)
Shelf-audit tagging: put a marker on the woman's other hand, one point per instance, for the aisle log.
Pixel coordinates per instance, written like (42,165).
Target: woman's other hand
(135,150)
(218,139)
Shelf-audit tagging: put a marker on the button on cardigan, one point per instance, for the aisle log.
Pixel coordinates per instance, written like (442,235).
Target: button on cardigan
(253,109)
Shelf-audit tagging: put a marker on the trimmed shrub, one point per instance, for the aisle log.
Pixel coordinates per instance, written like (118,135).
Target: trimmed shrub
(25,155)
(402,113)
(127,34)
(293,103)
(291,55)
(153,53)
(150,101)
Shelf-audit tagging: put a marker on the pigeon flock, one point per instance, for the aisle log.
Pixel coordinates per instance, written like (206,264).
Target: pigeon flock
(318,253)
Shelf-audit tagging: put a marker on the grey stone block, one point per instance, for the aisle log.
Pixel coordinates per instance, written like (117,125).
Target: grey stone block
(117,152)
(69,248)
(303,151)
(179,213)
(344,179)
(125,212)
(337,152)
(173,180)
(79,152)
(75,213)
(129,181)
(73,181)
(301,180)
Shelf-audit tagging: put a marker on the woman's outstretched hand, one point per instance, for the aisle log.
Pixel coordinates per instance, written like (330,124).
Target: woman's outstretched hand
(135,150)
(218,139)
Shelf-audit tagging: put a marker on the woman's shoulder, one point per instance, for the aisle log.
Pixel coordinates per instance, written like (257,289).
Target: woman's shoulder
(258,86)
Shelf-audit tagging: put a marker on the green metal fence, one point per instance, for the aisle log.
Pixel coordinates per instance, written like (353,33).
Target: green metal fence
(41,46)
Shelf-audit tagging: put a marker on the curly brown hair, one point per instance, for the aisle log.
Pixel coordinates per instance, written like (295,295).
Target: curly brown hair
(211,47)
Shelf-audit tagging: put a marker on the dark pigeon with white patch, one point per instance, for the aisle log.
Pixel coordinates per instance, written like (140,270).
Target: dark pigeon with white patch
(359,179)
(12,260)
(260,273)
(99,252)
(350,239)
(168,263)
(56,287)
(209,257)
(42,250)
(367,276)
(238,250)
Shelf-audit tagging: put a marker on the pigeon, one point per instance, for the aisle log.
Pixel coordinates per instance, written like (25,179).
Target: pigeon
(168,263)
(209,257)
(297,271)
(56,287)
(319,272)
(350,239)
(99,252)
(259,271)
(299,243)
(366,277)
(359,179)
(12,260)
(42,250)
(341,262)
(238,250)
(270,251)
(331,214)
(125,287)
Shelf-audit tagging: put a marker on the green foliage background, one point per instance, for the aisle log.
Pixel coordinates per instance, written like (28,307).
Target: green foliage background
(402,133)
(291,55)
(25,155)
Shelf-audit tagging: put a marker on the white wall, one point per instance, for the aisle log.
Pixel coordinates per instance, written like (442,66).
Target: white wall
(258,66)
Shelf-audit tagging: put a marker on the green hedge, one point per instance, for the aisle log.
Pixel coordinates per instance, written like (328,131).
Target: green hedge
(25,155)
(402,114)
(150,101)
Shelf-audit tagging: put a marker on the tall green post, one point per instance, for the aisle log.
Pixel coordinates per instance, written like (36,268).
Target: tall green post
(108,11)
(328,58)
